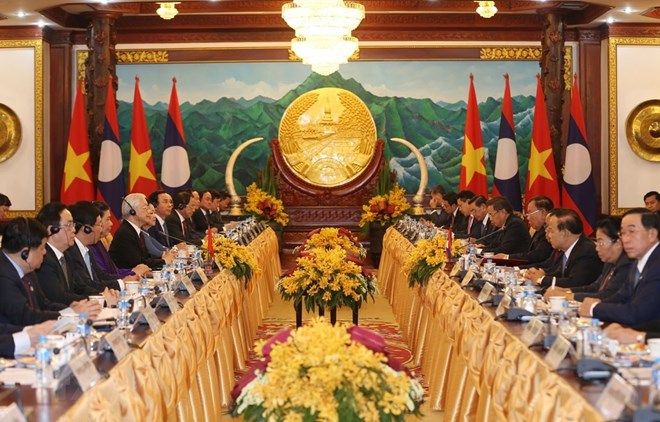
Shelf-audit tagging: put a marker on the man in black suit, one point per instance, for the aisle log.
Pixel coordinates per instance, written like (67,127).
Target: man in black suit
(22,302)
(178,223)
(577,264)
(162,202)
(456,221)
(80,259)
(513,236)
(481,225)
(540,249)
(637,301)
(54,276)
(128,247)
(15,340)
(201,218)
(221,202)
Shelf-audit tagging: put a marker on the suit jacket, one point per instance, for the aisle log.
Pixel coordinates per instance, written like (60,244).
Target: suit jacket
(539,248)
(200,220)
(512,238)
(439,218)
(635,304)
(216,220)
(127,251)
(7,346)
(613,274)
(14,302)
(157,232)
(54,283)
(175,228)
(96,282)
(459,222)
(582,268)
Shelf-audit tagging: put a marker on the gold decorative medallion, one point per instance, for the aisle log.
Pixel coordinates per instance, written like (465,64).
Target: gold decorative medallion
(327,137)
(10,132)
(643,130)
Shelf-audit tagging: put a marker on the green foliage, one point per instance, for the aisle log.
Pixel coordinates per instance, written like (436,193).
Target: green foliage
(267,179)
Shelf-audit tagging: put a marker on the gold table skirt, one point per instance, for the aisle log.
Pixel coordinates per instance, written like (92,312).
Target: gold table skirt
(475,368)
(185,371)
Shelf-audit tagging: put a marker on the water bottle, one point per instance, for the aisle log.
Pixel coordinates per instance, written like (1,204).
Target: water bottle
(654,393)
(145,290)
(565,326)
(42,357)
(595,338)
(82,327)
(529,302)
(166,273)
(122,304)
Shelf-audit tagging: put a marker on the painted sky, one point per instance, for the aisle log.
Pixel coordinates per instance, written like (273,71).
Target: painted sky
(438,80)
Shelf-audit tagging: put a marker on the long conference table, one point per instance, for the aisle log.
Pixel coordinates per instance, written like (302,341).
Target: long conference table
(476,367)
(184,371)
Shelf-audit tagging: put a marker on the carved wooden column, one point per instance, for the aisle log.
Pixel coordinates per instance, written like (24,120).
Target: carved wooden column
(552,76)
(100,69)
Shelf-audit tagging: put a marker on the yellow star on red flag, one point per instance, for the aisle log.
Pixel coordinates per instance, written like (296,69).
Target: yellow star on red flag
(138,166)
(75,167)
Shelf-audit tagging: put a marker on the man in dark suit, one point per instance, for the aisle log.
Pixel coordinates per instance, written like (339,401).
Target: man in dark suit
(513,236)
(456,221)
(577,264)
(162,202)
(22,302)
(637,301)
(540,249)
(481,225)
(201,218)
(221,203)
(178,222)
(128,248)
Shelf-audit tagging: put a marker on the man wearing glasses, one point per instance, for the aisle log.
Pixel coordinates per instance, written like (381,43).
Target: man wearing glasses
(637,301)
(178,223)
(539,250)
(512,236)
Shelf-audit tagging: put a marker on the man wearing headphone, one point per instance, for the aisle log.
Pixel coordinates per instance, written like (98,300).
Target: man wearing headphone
(22,303)
(55,277)
(178,222)
(128,248)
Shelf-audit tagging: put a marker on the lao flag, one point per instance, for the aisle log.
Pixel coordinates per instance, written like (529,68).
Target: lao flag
(111,187)
(541,172)
(77,183)
(579,191)
(507,181)
(141,172)
(175,172)
(473,164)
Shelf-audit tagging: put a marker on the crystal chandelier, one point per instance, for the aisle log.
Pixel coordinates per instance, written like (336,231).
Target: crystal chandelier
(486,9)
(323,31)
(168,10)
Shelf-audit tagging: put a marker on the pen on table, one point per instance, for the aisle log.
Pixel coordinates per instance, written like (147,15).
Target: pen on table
(554,281)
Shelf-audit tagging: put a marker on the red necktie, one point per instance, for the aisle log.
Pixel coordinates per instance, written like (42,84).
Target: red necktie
(184,228)
(142,241)
(28,290)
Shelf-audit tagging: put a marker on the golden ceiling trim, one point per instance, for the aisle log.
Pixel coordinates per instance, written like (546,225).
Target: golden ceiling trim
(38,47)
(529,53)
(613,169)
(123,57)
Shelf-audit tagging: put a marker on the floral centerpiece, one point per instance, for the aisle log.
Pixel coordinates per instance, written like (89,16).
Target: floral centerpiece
(327,278)
(459,247)
(428,256)
(385,209)
(333,237)
(265,206)
(230,255)
(325,372)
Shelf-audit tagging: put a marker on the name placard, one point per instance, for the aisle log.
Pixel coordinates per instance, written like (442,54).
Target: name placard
(202,275)
(616,395)
(454,270)
(532,332)
(485,293)
(188,284)
(557,352)
(118,343)
(152,319)
(171,302)
(504,305)
(12,413)
(467,279)
(84,370)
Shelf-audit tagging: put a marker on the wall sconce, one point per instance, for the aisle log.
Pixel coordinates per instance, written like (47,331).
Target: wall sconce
(168,10)
(486,9)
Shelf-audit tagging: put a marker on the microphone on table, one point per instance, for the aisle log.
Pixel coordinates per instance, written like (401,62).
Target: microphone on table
(488,235)
(187,242)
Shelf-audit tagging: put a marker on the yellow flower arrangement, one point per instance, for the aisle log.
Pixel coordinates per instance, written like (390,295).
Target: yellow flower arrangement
(386,209)
(459,247)
(324,372)
(428,256)
(265,206)
(230,255)
(327,278)
(332,237)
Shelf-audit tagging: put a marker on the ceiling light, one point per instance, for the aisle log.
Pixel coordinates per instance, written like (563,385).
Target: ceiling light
(627,9)
(486,9)
(168,10)
(610,20)
(21,14)
(323,31)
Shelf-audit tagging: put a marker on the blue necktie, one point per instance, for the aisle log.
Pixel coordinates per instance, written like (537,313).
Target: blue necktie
(564,260)
(637,275)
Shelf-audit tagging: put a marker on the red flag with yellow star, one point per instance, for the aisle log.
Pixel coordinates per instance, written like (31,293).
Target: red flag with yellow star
(77,182)
(541,172)
(473,164)
(141,170)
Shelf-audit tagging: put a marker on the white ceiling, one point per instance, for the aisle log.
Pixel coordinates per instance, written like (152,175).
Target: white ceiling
(11,8)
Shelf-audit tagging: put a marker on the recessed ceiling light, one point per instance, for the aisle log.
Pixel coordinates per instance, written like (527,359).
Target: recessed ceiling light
(21,14)
(627,9)
(610,20)
(41,24)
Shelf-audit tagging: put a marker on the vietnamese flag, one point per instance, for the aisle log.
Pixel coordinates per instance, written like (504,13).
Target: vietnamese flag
(77,182)
(473,164)
(141,172)
(175,171)
(111,186)
(579,189)
(507,181)
(541,172)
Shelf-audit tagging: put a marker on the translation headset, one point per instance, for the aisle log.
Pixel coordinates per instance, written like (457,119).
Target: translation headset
(25,253)
(86,228)
(54,230)
(132,210)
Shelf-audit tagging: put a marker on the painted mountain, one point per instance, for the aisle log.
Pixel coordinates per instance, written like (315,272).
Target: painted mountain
(215,129)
